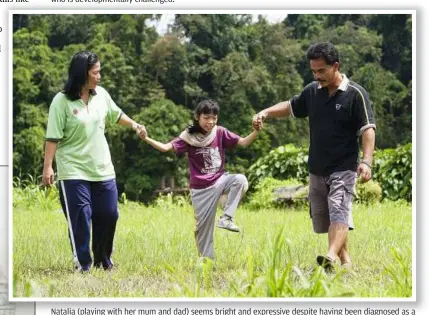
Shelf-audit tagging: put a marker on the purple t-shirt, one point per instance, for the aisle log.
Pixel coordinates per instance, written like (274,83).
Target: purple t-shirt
(206,164)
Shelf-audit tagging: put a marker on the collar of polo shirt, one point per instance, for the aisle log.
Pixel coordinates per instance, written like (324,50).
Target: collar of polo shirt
(343,85)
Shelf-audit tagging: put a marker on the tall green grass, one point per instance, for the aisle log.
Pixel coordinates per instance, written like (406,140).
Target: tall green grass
(156,256)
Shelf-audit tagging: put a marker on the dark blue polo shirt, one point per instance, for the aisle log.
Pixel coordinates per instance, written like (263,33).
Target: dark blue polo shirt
(336,122)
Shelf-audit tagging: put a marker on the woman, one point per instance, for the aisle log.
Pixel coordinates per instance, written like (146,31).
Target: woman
(75,135)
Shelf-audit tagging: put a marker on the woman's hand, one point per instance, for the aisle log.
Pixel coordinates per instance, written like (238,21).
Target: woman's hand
(48,175)
(141,131)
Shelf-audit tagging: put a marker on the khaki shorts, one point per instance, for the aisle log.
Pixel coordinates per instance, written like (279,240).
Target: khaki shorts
(331,200)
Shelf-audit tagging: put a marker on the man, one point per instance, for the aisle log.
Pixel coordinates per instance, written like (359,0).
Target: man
(339,112)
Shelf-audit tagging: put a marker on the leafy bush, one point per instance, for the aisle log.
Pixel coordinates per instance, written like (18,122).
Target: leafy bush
(393,170)
(284,162)
(368,192)
(264,196)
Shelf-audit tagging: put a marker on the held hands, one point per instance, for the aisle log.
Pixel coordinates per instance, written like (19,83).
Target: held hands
(364,171)
(258,121)
(140,130)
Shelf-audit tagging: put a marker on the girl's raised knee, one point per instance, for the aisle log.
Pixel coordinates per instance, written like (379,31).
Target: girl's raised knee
(242,181)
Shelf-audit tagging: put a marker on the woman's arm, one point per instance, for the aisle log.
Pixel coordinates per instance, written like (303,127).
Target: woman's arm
(48,171)
(128,122)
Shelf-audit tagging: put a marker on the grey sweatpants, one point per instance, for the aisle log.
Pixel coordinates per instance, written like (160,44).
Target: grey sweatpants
(205,203)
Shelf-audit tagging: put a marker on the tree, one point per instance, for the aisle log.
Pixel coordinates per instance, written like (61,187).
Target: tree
(390,102)
(245,66)
(306,26)
(396,30)
(164,121)
(28,151)
(167,62)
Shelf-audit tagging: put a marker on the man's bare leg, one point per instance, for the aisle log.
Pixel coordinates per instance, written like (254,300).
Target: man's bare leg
(344,253)
(337,236)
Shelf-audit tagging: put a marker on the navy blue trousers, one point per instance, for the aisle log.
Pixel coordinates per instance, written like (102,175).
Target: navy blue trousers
(96,203)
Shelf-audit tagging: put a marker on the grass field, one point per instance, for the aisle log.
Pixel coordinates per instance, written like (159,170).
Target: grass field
(155,254)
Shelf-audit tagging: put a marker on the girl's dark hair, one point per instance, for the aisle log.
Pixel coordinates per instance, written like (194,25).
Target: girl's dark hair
(324,50)
(207,107)
(80,64)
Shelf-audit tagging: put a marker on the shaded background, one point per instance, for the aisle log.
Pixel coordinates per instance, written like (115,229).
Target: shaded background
(243,62)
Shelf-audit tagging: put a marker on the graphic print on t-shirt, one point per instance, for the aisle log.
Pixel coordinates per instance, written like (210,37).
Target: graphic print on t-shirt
(212,160)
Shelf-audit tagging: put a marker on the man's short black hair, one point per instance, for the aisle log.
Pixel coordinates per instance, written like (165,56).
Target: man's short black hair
(324,50)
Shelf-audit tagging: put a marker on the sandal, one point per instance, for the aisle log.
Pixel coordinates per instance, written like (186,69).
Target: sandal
(326,262)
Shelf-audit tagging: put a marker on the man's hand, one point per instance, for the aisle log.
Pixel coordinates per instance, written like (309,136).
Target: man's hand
(257,126)
(48,176)
(364,172)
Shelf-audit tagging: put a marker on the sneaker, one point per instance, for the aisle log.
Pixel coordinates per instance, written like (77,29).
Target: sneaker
(227,224)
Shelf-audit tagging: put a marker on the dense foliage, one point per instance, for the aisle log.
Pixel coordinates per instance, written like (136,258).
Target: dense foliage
(245,65)
(392,169)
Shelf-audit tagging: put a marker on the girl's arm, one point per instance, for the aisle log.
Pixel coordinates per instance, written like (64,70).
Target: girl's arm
(163,147)
(244,142)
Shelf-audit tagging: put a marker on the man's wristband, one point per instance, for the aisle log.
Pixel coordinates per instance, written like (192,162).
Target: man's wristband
(366,163)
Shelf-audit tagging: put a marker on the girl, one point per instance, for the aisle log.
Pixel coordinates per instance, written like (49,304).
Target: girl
(205,144)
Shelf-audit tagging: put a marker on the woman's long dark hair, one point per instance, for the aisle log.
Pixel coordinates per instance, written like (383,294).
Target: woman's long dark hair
(80,64)
(207,107)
